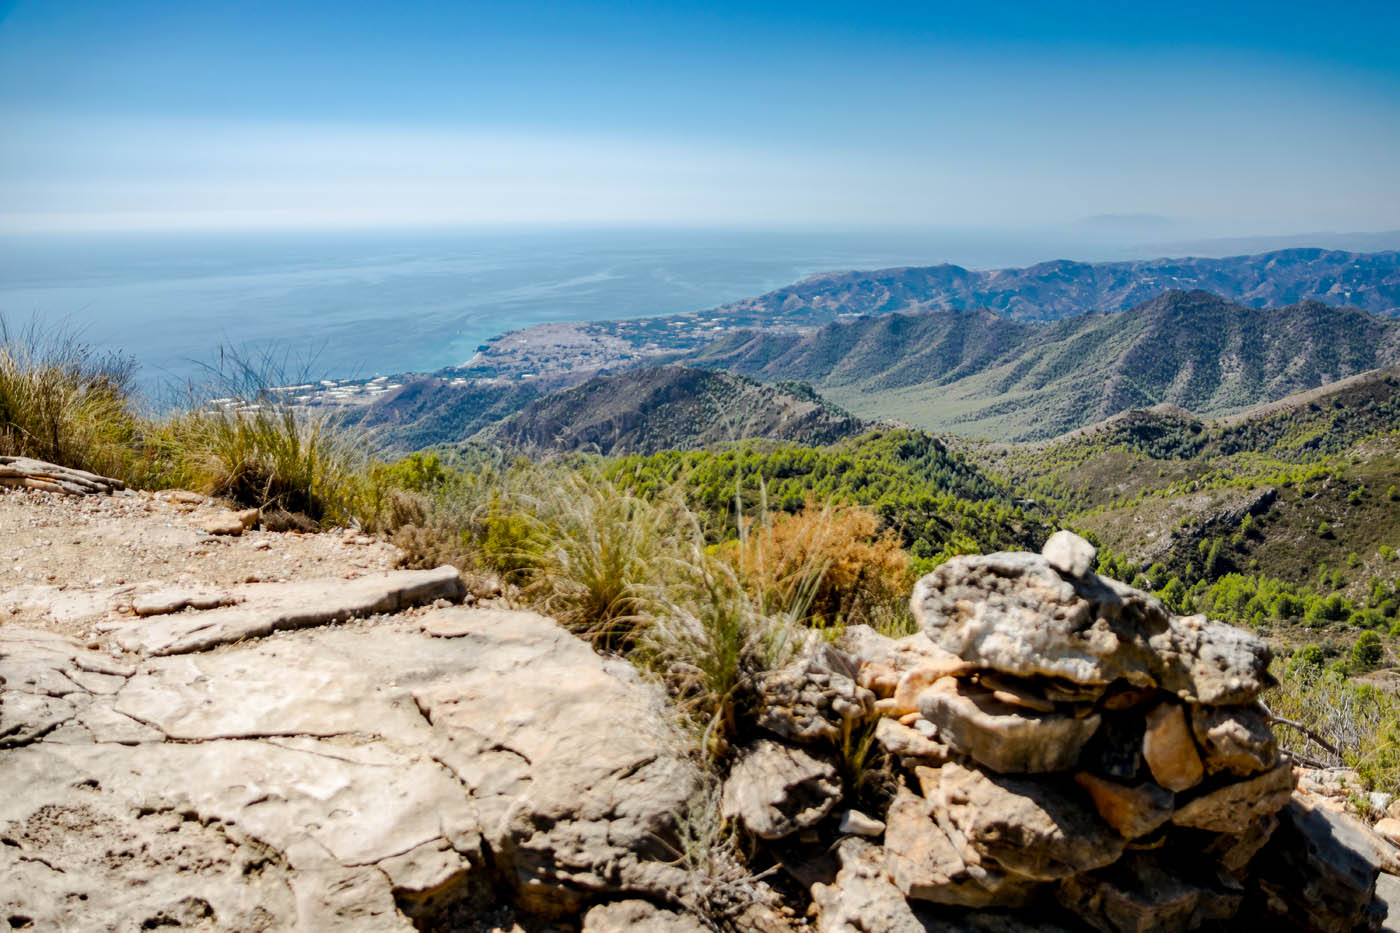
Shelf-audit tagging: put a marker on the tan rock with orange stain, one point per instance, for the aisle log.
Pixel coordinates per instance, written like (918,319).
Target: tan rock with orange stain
(1133,810)
(919,679)
(1169,749)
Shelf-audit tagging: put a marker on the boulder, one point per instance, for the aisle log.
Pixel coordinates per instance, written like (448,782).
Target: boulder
(926,866)
(775,790)
(1016,614)
(1029,827)
(1318,872)
(1005,738)
(814,698)
(1068,553)
(1237,739)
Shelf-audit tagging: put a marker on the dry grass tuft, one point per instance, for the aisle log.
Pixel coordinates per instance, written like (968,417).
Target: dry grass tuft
(834,559)
(62,402)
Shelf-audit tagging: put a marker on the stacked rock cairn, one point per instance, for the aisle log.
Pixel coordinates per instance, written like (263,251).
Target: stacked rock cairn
(1070,755)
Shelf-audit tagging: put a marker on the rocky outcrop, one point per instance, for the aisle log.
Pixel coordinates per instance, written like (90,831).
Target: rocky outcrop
(1104,765)
(1052,750)
(1017,615)
(369,777)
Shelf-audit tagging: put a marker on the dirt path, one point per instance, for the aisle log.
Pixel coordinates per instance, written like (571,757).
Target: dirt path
(69,564)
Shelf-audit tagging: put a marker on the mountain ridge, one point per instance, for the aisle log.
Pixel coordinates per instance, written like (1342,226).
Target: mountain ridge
(1042,293)
(643,411)
(1018,381)
(1062,288)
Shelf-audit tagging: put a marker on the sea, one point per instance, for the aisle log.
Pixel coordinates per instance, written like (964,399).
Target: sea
(356,305)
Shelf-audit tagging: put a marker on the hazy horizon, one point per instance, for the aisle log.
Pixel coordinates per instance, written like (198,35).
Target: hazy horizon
(1199,121)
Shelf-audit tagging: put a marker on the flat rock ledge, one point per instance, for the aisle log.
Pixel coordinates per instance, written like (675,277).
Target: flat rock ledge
(391,776)
(254,610)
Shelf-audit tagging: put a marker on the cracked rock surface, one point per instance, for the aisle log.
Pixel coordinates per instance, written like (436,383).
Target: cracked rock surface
(373,776)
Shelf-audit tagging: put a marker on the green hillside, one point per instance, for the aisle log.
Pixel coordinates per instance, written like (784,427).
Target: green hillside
(976,374)
(671,408)
(1286,517)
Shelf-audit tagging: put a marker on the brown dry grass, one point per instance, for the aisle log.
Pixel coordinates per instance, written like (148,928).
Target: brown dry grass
(833,558)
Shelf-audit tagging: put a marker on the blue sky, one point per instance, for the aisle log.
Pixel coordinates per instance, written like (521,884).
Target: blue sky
(1223,118)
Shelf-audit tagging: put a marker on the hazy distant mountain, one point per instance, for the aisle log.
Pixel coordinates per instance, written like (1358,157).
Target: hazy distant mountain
(1046,292)
(1051,291)
(973,372)
(671,408)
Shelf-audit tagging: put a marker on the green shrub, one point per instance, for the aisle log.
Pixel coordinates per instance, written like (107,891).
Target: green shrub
(1368,652)
(1359,721)
(603,557)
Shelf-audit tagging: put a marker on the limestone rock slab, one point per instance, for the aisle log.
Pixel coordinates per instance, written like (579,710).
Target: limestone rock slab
(336,778)
(1015,613)
(576,773)
(1169,750)
(1008,739)
(1027,826)
(1233,807)
(265,608)
(1132,809)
